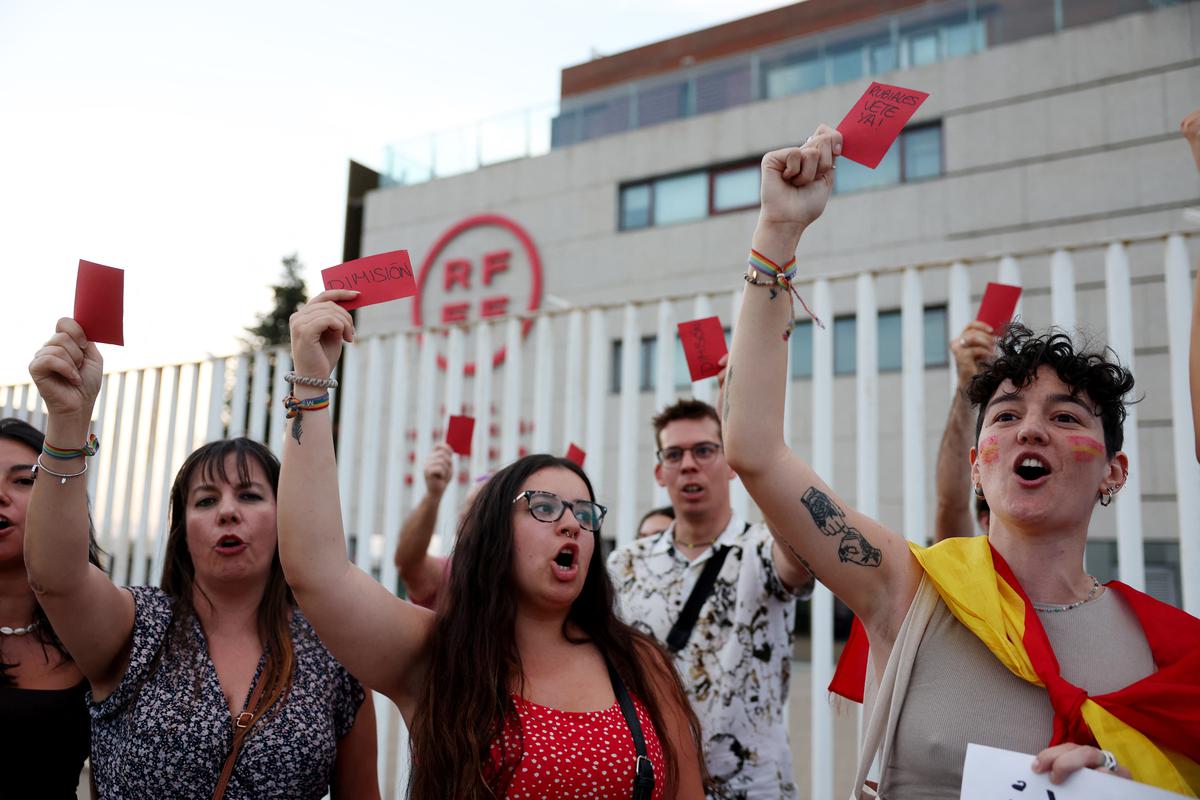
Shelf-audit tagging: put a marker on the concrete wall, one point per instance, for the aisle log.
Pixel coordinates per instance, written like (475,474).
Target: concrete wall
(1061,140)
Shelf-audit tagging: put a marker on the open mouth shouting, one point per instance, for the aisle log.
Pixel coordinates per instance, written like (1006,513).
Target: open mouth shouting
(230,545)
(566,563)
(1031,470)
(692,490)
(6,525)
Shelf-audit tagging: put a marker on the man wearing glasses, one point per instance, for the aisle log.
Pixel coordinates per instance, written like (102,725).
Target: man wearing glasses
(729,629)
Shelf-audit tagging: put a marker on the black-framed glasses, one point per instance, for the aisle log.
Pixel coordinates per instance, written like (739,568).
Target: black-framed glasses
(549,507)
(703,452)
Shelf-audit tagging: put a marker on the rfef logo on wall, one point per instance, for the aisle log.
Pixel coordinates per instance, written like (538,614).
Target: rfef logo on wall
(483,267)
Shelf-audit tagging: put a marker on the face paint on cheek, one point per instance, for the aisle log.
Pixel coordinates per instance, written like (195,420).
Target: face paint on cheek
(1085,448)
(989,450)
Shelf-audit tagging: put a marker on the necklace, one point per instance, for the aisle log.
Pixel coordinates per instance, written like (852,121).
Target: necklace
(693,545)
(1054,609)
(5,630)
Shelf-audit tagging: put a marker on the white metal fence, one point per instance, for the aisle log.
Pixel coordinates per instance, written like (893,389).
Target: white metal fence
(1136,296)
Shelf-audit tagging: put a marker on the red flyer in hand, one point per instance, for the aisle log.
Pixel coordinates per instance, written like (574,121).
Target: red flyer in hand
(876,120)
(703,344)
(458,434)
(100,302)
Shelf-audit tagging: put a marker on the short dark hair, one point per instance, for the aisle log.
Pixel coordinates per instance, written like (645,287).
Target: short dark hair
(661,511)
(1098,374)
(688,408)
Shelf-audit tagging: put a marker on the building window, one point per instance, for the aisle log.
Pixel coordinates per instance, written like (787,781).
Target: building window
(846,63)
(648,364)
(793,75)
(735,188)
(922,147)
(916,155)
(635,206)
(689,196)
(681,198)
(889,344)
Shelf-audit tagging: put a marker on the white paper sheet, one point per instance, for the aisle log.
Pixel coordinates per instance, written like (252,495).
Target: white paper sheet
(990,773)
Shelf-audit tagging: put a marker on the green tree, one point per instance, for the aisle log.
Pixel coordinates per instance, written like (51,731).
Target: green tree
(272,327)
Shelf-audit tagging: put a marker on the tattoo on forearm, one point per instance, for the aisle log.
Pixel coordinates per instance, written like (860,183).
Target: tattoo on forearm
(296,429)
(831,521)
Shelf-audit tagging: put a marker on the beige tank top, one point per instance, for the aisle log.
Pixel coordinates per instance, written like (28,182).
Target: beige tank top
(959,693)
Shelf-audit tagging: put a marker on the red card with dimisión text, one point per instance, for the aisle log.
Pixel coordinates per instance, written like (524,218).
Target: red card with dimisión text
(703,344)
(380,278)
(876,120)
(100,302)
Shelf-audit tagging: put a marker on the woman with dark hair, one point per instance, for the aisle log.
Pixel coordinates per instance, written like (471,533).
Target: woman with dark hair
(1005,639)
(41,687)
(524,683)
(213,685)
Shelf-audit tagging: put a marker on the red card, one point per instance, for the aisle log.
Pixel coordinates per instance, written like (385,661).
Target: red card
(876,120)
(703,344)
(387,276)
(576,454)
(998,304)
(458,434)
(100,302)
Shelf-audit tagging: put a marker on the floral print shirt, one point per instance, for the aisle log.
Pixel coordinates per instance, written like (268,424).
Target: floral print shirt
(737,663)
(166,730)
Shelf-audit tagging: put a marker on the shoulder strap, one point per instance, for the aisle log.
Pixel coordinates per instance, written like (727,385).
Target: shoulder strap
(643,770)
(681,631)
(242,724)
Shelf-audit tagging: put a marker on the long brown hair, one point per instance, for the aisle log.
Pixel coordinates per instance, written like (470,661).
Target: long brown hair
(179,573)
(465,707)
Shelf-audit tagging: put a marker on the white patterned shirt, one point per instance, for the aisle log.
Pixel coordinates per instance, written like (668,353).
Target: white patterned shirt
(737,661)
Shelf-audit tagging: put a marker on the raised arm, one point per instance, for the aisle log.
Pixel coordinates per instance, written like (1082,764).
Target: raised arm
(954,515)
(377,637)
(421,573)
(1190,127)
(92,617)
(862,562)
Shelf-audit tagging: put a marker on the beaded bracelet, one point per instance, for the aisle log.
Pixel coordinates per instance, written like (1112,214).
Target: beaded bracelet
(781,276)
(90,448)
(304,380)
(38,466)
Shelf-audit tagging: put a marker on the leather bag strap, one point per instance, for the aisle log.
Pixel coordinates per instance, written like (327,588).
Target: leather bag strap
(242,724)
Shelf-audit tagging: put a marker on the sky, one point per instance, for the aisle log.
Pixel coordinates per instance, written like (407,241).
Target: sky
(195,145)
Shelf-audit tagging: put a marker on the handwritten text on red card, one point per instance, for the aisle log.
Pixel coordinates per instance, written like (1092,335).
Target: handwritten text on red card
(876,120)
(380,278)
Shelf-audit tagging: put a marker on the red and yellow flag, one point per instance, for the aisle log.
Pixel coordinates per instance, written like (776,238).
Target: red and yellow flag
(1151,726)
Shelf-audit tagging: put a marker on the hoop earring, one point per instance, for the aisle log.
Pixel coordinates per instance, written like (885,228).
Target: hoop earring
(979,491)
(1106,497)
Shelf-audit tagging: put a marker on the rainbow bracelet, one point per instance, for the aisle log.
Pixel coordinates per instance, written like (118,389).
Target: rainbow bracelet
(783,276)
(90,448)
(297,407)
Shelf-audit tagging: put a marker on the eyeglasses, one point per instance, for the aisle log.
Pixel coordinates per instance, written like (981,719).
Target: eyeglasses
(549,507)
(703,452)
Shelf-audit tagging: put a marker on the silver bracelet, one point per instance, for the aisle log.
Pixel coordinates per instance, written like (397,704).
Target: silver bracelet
(304,380)
(62,476)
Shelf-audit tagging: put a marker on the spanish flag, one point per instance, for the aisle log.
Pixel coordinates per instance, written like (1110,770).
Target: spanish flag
(1151,726)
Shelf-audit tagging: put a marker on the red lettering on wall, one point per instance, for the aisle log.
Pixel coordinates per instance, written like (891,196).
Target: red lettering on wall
(455,312)
(458,270)
(493,263)
(493,306)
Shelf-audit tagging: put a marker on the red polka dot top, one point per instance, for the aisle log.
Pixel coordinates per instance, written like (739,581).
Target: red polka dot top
(573,755)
